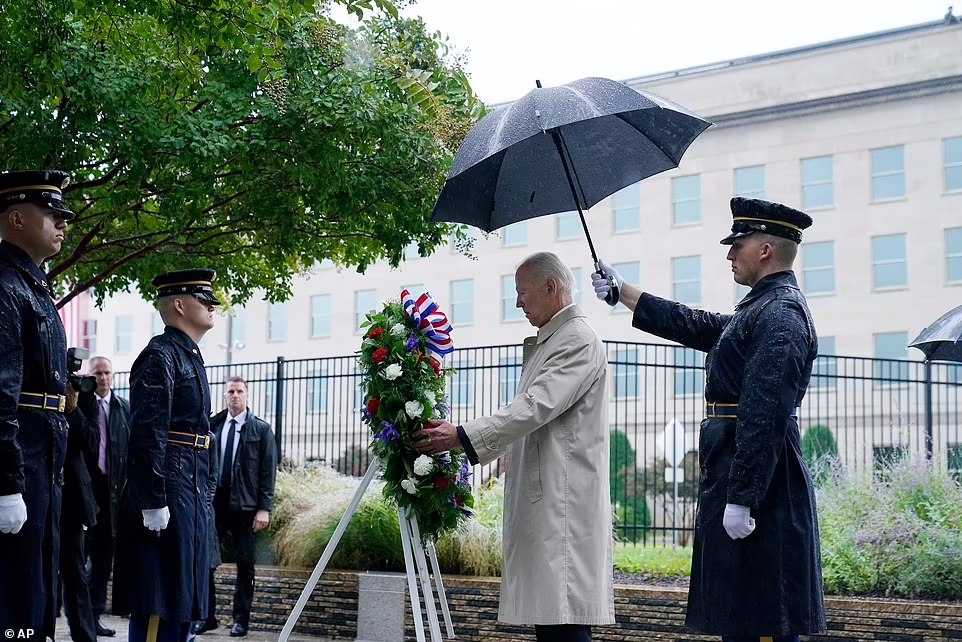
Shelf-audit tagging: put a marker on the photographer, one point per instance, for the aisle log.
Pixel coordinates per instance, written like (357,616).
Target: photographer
(33,383)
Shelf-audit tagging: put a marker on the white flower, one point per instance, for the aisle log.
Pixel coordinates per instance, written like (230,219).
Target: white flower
(409,485)
(413,409)
(399,330)
(423,465)
(392,372)
(429,398)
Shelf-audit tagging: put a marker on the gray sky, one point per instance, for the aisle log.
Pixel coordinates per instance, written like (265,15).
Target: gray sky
(510,43)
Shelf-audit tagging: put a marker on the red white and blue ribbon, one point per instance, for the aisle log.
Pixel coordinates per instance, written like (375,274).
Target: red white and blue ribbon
(431,322)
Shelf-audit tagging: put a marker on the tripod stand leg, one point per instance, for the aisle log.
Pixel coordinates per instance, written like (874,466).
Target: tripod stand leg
(425,580)
(436,569)
(406,546)
(328,551)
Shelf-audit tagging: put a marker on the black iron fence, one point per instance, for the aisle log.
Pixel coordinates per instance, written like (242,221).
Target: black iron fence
(865,411)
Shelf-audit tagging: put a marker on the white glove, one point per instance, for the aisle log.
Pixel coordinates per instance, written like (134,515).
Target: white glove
(156,518)
(738,521)
(600,283)
(13,513)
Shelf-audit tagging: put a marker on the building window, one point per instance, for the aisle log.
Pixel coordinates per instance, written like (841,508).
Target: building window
(686,199)
(818,184)
(461,246)
(510,375)
(321,315)
(88,334)
(462,302)
(270,388)
(625,373)
(888,261)
(750,181)
(568,226)
(953,255)
(689,371)
(415,289)
(576,285)
(686,279)
(125,333)
(516,234)
(462,384)
(317,392)
(952,150)
(890,346)
(509,297)
(825,368)
(631,273)
(364,302)
(741,291)
(818,267)
(239,326)
(411,251)
(626,207)
(277,321)
(888,173)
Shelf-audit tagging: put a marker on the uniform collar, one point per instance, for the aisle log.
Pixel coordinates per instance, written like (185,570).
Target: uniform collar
(181,339)
(785,278)
(22,261)
(565,314)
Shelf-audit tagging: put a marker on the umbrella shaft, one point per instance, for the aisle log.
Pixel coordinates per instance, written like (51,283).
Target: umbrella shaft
(576,192)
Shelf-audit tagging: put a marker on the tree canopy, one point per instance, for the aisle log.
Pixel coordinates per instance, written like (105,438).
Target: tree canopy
(254,137)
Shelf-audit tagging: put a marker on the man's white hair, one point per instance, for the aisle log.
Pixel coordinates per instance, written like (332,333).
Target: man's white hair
(547,265)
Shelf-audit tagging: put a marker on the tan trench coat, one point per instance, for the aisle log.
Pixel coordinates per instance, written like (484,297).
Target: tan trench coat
(557,513)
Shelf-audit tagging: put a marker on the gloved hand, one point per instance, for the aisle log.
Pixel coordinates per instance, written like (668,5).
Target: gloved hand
(738,521)
(13,513)
(600,283)
(156,518)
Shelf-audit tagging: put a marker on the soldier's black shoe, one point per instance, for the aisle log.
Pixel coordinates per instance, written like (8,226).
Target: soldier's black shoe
(239,630)
(203,626)
(103,631)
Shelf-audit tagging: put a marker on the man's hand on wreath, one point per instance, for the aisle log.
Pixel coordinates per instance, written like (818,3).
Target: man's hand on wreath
(436,437)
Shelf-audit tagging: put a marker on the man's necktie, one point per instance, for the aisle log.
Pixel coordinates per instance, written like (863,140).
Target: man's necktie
(228,462)
(102,455)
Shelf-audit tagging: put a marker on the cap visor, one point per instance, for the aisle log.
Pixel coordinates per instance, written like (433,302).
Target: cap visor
(728,240)
(207,298)
(60,207)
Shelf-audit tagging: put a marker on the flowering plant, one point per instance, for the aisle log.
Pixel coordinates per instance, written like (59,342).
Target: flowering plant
(403,386)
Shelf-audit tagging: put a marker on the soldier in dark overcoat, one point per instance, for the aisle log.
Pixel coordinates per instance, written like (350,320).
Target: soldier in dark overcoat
(756,567)
(33,401)
(163,543)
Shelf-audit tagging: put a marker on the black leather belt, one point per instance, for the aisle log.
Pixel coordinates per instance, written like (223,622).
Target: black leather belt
(43,401)
(715,410)
(201,442)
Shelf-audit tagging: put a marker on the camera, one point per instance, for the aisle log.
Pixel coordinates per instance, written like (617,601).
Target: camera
(75,360)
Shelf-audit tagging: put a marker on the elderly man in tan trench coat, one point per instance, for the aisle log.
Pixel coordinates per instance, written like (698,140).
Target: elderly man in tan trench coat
(557,515)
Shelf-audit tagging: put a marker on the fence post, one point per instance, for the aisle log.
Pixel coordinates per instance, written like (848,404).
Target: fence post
(279,407)
(928,410)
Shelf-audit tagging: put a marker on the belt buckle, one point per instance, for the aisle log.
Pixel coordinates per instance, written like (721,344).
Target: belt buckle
(61,402)
(200,444)
(711,410)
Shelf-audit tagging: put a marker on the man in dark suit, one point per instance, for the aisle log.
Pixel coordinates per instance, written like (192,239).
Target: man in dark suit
(108,474)
(79,514)
(245,495)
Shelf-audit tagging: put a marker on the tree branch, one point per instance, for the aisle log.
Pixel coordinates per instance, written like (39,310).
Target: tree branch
(103,180)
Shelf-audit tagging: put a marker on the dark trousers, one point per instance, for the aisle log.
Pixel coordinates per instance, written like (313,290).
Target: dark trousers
(73,576)
(100,544)
(770,638)
(144,628)
(239,525)
(562,632)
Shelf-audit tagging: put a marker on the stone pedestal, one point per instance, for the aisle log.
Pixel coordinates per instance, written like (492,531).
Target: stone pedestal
(381,606)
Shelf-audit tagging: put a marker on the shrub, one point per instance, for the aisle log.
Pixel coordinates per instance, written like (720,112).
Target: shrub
(628,506)
(897,534)
(354,461)
(819,451)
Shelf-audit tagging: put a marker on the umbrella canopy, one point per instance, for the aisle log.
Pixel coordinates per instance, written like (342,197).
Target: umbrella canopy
(942,341)
(560,149)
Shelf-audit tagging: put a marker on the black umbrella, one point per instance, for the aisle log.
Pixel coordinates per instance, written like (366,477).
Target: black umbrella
(942,341)
(564,148)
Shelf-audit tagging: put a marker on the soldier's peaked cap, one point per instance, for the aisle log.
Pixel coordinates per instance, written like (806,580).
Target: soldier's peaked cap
(752,215)
(42,188)
(198,282)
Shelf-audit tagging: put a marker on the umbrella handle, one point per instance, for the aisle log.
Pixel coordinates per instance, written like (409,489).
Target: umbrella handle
(614,292)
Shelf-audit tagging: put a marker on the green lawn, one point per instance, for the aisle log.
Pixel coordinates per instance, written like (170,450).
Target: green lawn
(655,561)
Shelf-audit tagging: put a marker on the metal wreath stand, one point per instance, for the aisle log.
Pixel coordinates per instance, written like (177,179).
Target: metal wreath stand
(415,563)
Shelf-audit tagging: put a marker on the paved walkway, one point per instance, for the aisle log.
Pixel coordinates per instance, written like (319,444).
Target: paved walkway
(221,634)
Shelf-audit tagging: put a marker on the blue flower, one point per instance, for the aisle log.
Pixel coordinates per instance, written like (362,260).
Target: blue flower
(388,433)
(445,458)
(365,414)
(412,344)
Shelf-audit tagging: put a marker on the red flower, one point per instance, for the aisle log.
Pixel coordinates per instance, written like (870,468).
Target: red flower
(376,333)
(437,367)
(379,355)
(372,405)
(441,482)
